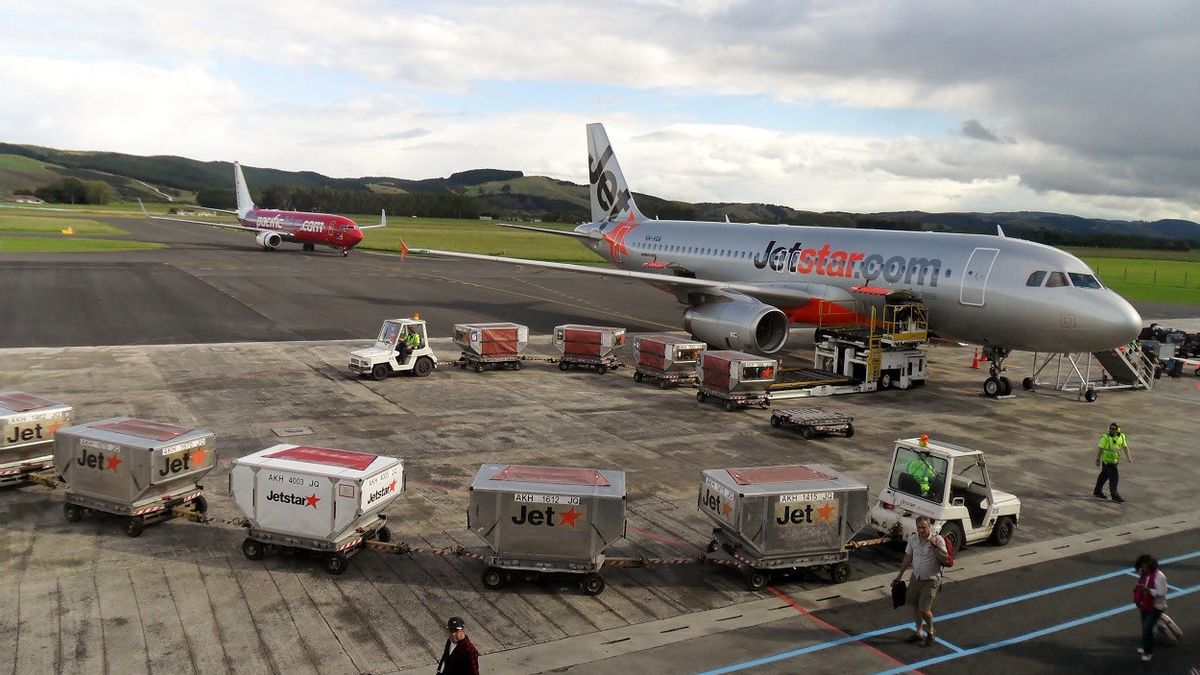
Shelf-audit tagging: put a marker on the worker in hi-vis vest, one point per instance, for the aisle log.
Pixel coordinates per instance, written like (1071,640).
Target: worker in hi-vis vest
(1108,456)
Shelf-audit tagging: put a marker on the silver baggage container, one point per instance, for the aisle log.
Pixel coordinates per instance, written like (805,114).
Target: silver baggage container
(578,340)
(133,467)
(786,516)
(28,424)
(542,519)
(667,354)
(486,341)
(730,372)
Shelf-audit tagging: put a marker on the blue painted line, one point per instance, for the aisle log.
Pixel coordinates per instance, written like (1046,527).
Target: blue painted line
(1027,636)
(947,645)
(848,639)
(1173,588)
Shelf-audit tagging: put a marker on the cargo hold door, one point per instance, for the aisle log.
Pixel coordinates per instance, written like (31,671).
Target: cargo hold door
(975,276)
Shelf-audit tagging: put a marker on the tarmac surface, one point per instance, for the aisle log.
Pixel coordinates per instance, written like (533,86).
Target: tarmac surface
(82,597)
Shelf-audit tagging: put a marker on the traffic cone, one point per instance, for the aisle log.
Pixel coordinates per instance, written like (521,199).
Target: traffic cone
(975,361)
(983,356)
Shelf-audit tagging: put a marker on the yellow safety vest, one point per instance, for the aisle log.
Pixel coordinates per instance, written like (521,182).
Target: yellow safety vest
(1110,447)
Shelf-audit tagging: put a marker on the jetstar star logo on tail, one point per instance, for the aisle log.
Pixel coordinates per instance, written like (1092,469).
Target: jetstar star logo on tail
(616,239)
(296,500)
(547,516)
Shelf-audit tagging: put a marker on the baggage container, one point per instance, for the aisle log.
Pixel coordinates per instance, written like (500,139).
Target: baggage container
(783,517)
(737,378)
(547,519)
(28,423)
(667,359)
(491,344)
(316,499)
(134,468)
(588,346)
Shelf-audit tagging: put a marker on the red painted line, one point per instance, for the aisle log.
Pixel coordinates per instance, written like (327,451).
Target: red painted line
(832,628)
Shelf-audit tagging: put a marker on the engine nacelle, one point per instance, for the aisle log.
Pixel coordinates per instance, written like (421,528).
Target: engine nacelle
(269,240)
(741,325)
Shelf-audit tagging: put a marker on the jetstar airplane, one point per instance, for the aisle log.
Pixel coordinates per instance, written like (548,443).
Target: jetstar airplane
(743,284)
(271,228)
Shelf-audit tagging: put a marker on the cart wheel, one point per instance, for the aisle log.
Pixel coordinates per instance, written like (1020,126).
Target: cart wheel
(807,433)
(839,572)
(1089,395)
(335,563)
(730,406)
(72,513)
(663,384)
(637,377)
(200,504)
(423,367)
(701,396)
(516,365)
(712,546)
(252,549)
(493,578)
(849,430)
(1003,531)
(775,422)
(601,369)
(384,534)
(757,580)
(1027,384)
(564,366)
(134,526)
(592,583)
(479,367)
(379,372)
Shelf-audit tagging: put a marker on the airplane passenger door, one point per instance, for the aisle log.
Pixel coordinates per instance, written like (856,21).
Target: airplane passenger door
(975,276)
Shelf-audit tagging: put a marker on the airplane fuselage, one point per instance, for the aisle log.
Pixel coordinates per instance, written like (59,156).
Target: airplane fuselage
(320,229)
(957,276)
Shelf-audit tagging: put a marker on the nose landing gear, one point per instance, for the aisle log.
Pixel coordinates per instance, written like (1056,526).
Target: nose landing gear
(996,384)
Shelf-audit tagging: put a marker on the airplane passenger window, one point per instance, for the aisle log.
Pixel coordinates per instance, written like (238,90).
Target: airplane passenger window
(1036,278)
(1057,279)
(1083,280)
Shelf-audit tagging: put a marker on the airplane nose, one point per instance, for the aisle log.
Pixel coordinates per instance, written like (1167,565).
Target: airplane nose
(1125,323)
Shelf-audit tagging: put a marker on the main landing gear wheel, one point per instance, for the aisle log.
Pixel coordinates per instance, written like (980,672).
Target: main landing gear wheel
(310,247)
(592,583)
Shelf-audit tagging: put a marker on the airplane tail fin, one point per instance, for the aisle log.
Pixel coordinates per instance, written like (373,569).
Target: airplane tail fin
(611,198)
(244,203)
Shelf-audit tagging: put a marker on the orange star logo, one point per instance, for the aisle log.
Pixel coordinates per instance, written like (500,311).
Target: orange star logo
(312,500)
(392,486)
(568,517)
(616,238)
(825,513)
(726,509)
(198,455)
(113,462)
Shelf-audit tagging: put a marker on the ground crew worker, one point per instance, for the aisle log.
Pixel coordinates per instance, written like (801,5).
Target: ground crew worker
(920,470)
(926,553)
(406,346)
(460,656)
(1108,456)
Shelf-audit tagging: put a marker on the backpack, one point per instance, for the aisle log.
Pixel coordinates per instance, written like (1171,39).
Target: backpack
(949,553)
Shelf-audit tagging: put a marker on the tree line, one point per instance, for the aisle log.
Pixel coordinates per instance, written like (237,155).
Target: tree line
(75,191)
(438,204)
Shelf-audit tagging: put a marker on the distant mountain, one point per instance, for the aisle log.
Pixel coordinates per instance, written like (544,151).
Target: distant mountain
(507,194)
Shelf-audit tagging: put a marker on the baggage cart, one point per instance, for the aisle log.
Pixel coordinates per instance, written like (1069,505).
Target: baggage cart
(669,360)
(539,519)
(777,519)
(28,423)
(321,500)
(738,379)
(814,421)
(490,345)
(136,469)
(588,346)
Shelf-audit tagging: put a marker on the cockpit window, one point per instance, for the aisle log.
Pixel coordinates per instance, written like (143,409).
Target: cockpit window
(1083,280)
(1036,278)
(1057,279)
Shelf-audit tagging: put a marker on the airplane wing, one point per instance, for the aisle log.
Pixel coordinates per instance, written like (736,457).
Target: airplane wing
(775,293)
(546,230)
(229,226)
(382,222)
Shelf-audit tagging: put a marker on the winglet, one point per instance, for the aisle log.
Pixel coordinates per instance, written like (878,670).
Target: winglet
(999,231)
(382,218)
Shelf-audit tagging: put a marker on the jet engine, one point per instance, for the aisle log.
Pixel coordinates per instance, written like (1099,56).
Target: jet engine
(744,325)
(269,240)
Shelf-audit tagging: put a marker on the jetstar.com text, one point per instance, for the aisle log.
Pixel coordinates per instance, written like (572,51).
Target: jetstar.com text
(825,262)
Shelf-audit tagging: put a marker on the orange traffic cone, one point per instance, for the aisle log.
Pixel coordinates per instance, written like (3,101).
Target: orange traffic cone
(983,356)
(975,361)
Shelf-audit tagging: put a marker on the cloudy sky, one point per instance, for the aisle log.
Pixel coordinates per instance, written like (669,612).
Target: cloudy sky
(1091,108)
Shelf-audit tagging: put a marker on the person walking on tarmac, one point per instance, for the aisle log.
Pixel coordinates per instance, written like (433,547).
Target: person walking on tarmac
(460,656)
(1108,456)
(926,553)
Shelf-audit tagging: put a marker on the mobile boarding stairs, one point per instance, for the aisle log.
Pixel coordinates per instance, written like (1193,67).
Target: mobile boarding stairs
(1087,373)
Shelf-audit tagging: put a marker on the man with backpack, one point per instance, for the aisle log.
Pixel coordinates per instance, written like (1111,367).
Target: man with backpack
(927,554)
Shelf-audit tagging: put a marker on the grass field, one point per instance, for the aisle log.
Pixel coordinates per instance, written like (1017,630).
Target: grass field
(70,245)
(1150,280)
(23,223)
(477,236)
